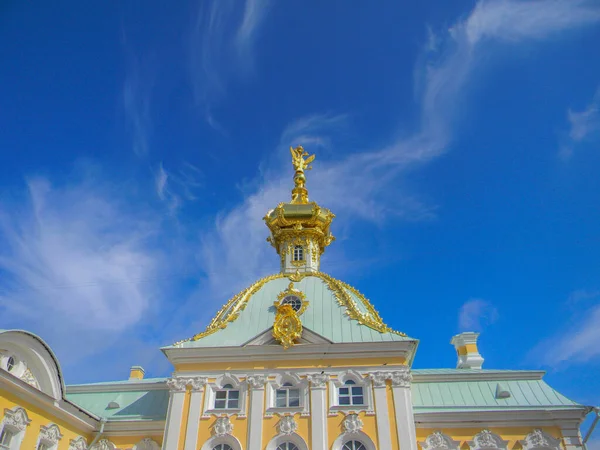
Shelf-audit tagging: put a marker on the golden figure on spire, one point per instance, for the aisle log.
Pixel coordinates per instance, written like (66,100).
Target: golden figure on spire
(299,193)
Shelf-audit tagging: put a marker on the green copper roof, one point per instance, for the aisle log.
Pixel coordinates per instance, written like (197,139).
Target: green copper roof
(324,315)
(132,405)
(527,392)
(481,395)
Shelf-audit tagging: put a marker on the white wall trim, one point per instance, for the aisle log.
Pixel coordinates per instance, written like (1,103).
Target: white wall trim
(439,441)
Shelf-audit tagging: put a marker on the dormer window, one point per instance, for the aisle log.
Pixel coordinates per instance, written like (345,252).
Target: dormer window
(10,363)
(350,394)
(298,253)
(227,398)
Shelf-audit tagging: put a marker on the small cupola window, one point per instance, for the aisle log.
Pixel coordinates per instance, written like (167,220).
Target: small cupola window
(298,253)
(294,301)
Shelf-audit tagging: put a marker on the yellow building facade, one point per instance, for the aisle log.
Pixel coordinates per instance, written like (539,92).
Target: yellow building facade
(298,360)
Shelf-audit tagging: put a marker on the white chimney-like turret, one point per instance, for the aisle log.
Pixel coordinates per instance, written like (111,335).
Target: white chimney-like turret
(466,350)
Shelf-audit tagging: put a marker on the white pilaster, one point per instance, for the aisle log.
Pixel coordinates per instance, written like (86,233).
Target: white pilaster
(257,407)
(381,409)
(318,410)
(403,408)
(193,421)
(177,387)
(572,436)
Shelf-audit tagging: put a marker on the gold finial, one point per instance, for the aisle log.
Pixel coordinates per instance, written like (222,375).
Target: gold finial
(299,193)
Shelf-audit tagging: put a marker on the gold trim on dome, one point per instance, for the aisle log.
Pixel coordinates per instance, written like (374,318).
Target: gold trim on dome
(295,292)
(231,310)
(287,327)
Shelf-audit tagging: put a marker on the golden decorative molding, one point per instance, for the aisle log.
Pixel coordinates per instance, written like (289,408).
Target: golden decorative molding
(295,292)
(231,310)
(287,327)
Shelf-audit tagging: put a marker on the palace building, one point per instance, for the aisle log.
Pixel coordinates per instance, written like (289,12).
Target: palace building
(298,360)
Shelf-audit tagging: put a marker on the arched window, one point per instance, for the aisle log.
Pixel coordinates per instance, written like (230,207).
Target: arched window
(287,446)
(298,253)
(222,447)
(350,394)
(354,445)
(287,397)
(227,398)
(10,363)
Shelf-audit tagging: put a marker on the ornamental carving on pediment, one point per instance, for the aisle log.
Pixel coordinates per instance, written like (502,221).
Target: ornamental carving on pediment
(16,418)
(28,378)
(256,381)
(485,439)
(50,434)
(222,427)
(78,444)
(318,380)
(352,423)
(538,439)
(146,444)
(439,441)
(103,444)
(287,425)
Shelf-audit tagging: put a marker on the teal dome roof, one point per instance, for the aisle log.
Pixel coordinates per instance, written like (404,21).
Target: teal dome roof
(335,311)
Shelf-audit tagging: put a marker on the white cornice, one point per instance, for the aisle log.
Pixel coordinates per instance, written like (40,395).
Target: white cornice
(477,375)
(500,418)
(131,427)
(133,386)
(62,409)
(192,355)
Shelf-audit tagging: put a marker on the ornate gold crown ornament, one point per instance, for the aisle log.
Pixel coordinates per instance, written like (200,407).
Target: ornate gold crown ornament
(299,220)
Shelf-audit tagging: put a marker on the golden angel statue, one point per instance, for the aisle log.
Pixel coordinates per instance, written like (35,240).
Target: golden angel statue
(301,164)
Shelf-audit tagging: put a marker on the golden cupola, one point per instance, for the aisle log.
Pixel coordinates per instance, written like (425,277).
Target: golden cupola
(300,229)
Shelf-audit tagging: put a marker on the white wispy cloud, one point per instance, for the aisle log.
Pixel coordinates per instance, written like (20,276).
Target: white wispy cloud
(136,100)
(173,188)
(576,340)
(584,126)
(373,178)
(78,264)
(475,314)
(221,46)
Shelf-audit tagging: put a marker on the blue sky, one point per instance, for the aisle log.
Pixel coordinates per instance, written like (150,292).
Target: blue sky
(457,143)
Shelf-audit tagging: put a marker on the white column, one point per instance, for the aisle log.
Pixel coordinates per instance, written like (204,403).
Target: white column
(403,408)
(177,388)
(193,421)
(318,410)
(381,408)
(257,407)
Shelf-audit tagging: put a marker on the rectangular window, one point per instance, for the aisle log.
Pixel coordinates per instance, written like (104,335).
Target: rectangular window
(227,399)
(287,398)
(351,396)
(5,439)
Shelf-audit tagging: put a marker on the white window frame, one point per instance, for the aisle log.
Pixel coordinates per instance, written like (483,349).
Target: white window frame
(298,250)
(216,440)
(343,438)
(211,393)
(297,383)
(293,438)
(361,381)
(18,432)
